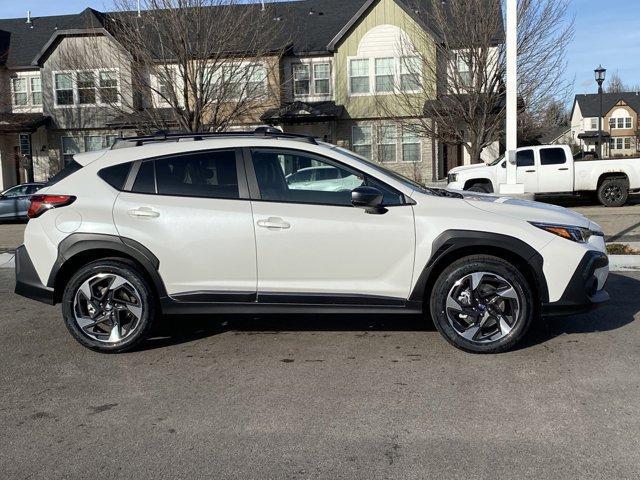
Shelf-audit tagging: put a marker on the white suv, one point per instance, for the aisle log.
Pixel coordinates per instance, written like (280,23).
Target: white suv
(208,224)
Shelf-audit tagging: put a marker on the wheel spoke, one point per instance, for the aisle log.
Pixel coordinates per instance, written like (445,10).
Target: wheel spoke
(135,310)
(508,292)
(505,328)
(116,332)
(476,280)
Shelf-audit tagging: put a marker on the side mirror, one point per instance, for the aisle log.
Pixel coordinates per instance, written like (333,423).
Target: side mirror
(369,198)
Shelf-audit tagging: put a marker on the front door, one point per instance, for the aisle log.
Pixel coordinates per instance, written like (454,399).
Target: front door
(526,170)
(314,246)
(191,211)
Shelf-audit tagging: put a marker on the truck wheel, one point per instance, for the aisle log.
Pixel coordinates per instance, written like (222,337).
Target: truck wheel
(482,304)
(478,187)
(613,192)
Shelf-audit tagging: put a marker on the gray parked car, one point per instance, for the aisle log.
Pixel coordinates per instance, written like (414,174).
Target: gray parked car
(15,201)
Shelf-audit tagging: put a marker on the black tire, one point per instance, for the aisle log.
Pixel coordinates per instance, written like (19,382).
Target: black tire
(613,192)
(146,299)
(478,187)
(503,270)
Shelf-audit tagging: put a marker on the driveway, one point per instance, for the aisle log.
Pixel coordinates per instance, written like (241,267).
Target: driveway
(321,398)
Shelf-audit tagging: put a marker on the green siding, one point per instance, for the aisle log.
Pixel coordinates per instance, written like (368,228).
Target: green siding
(384,12)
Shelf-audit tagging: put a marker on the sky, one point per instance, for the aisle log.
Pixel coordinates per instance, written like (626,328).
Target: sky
(607,32)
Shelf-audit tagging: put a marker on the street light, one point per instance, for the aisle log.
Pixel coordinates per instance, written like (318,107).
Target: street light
(600,75)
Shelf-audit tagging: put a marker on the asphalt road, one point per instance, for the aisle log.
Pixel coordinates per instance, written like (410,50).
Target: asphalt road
(321,398)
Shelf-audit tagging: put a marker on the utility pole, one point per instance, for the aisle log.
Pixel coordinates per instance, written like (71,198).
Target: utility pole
(512,186)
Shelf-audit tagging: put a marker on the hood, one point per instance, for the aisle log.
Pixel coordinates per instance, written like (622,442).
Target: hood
(526,210)
(466,168)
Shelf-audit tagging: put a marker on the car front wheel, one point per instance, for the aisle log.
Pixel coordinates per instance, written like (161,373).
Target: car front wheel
(108,306)
(482,304)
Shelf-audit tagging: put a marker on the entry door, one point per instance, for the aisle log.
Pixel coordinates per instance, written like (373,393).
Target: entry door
(555,171)
(189,212)
(311,241)
(526,170)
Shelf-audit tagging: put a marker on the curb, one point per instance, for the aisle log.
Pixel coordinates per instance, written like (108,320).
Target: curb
(7,260)
(624,263)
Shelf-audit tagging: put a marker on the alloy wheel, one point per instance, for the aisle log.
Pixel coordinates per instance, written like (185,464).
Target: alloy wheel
(483,307)
(613,193)
(107,308)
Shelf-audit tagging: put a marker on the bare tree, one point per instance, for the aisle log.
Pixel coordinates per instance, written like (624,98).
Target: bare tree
(192,65)
(454,64)
(615,84)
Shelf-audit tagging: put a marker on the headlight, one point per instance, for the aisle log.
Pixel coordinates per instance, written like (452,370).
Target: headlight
(452,177)
(576,234)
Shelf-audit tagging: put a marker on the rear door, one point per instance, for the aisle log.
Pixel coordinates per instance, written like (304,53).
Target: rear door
(555,173)
(192,212)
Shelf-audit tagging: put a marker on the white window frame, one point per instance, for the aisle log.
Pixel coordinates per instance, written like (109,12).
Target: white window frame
(594,124)
(24,92)
(74,86)
(380,143)
(397,76)
(29,90)
(403,143)
(370,145)
(376,75)
(315,78)
(245,79)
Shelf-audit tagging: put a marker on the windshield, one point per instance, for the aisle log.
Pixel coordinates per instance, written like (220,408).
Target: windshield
(395,175)
(497,160)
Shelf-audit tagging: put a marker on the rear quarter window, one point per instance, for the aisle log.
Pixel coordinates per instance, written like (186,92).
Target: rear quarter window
(116,176)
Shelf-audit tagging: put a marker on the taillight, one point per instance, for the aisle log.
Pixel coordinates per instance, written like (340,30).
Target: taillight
(42,203)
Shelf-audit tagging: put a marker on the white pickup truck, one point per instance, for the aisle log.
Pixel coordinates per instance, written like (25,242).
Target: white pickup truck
(551,169)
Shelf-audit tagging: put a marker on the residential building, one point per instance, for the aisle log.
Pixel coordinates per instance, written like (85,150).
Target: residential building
(620,132)
(343,55)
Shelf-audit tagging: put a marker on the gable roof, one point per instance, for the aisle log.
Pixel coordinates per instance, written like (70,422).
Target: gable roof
(590,102)
(20,41)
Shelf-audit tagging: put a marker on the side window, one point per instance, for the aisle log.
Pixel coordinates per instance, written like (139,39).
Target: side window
(202,174)
(552,156)
(116,175)
(145,181)
(277,173)
(15,192)
(524,158)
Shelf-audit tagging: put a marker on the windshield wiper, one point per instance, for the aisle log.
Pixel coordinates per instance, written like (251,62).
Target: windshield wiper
(441,192)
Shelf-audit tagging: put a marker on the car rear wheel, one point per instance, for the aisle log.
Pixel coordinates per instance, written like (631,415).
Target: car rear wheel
(482,304)
(108,306)
(613,192)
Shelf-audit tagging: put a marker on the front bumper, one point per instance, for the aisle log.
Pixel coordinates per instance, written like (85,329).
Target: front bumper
(585,290)
(28,283)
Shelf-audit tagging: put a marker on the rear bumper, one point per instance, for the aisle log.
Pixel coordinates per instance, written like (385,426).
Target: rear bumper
(585,290)
(28,283)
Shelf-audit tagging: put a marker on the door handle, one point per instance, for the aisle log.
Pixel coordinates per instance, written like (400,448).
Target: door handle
(144,212)
(565,168)
(530,171)
(273,223)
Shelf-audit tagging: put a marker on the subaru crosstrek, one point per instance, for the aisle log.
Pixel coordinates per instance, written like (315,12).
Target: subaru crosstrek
(209,224)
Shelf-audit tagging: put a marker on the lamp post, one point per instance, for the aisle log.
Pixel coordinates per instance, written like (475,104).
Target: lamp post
(600,76)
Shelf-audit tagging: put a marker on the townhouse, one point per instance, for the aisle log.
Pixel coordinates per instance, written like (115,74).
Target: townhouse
(342,56)
(620,132)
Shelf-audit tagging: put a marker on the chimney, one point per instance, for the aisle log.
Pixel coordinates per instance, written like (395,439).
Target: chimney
(28,16)
(262,3)
(138,5)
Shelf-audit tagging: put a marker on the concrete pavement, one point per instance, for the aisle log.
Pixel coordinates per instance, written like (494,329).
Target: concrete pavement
(321,398)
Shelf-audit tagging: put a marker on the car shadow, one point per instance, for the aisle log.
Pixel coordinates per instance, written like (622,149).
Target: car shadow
(174,330)
(572,201)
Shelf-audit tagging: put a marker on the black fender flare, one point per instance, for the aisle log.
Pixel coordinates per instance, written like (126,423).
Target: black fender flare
(78,243)
(450,241)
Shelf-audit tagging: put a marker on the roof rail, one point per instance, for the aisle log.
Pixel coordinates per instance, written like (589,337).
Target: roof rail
(163,136)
